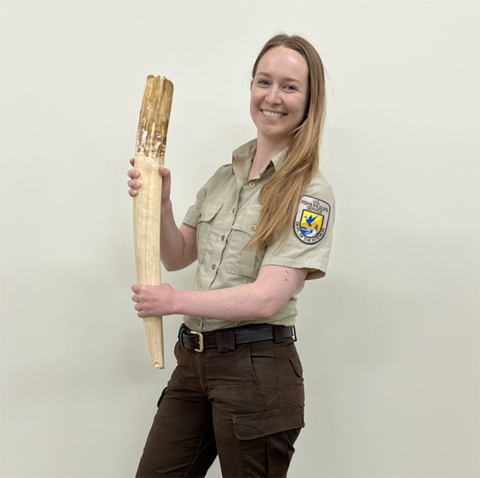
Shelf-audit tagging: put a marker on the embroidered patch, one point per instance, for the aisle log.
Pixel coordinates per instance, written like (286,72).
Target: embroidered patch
(311,221)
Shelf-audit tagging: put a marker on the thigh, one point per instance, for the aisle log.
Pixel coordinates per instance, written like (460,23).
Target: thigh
(181,442)
(258,409)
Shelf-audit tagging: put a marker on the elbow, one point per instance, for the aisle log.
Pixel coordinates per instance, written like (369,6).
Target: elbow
(269,307)
(176,265)
(170,266)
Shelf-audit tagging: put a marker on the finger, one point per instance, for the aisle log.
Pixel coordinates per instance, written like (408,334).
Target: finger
(133,173)
(134,184)
(132,161)
(132,192)
(136,288)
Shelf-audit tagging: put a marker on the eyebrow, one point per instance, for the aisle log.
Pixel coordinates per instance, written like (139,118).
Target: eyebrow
(294,80)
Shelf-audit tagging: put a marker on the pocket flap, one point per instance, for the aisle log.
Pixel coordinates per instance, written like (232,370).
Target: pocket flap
(209,210)
(247,220)
(256,425)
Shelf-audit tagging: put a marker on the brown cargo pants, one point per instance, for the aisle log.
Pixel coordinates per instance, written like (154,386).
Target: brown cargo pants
(244,404)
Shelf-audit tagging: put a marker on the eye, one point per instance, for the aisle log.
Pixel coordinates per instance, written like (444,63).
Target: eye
(290,88)
(262,82)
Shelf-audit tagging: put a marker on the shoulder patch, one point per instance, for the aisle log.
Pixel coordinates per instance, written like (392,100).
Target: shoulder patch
(311,220)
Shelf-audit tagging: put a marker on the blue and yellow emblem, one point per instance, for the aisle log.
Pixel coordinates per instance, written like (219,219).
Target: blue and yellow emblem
(311,223)
(311,220)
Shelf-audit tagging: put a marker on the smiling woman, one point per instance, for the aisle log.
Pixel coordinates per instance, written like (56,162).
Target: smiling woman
(259,228)
(279,94)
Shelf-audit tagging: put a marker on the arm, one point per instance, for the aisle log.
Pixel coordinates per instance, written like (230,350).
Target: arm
(274,286)
(178,246)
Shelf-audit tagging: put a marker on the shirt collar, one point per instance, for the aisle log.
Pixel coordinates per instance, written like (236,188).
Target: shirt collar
(247,151)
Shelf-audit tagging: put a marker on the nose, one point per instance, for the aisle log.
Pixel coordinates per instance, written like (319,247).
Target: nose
(273,96)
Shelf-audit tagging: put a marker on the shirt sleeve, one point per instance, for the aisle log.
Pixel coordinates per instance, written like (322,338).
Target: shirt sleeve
(193,213)
(309,240)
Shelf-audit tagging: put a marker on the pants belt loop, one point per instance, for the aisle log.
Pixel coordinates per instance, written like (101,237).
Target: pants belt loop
(180,333)
(278,334)
(294,336)
(225,341)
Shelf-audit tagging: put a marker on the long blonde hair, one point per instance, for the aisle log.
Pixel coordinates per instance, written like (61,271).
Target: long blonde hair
(281,194)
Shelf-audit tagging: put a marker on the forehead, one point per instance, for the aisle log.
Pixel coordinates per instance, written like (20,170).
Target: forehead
(285,62)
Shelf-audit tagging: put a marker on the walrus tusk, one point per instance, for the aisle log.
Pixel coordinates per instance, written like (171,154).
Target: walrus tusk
(149,154)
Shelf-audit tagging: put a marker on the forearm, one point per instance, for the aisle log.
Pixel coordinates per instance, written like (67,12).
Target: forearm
(177,251)
(262,299)
(235,303)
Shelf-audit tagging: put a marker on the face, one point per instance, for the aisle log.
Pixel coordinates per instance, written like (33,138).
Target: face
(279,94)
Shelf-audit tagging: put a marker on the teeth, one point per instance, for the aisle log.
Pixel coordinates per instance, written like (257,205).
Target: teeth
(272,114)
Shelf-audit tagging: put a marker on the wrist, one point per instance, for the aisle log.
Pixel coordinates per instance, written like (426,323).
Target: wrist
(174,302)
(166,204)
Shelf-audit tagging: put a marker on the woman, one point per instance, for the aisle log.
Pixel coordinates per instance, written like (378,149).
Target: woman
(259,228)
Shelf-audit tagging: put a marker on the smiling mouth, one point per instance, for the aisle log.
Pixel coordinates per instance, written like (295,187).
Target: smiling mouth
(273,114)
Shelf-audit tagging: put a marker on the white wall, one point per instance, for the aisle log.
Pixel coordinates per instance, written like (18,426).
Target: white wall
(389,339)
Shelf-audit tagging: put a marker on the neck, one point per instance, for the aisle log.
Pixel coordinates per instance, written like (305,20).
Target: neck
(266,150)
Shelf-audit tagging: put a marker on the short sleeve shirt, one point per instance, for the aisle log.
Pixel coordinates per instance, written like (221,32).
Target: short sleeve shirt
(226,215)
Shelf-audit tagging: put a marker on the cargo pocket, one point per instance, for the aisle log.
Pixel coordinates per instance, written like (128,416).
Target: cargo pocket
(204,226)
(267,438)
(256,425)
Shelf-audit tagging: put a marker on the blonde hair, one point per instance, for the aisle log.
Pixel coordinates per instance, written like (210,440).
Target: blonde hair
(281,195)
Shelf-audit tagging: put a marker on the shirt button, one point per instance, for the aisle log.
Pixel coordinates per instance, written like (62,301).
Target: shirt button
(252,184)
(214,266)
(222,238)
(254,227)
(233,210)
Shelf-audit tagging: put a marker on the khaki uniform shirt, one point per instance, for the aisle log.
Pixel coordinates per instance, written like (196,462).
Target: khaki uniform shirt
(226,214)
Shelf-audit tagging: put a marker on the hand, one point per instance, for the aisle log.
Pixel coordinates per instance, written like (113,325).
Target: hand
(135,185)
(153,300)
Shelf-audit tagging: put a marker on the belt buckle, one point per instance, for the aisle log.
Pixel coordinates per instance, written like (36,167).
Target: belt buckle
(200,340)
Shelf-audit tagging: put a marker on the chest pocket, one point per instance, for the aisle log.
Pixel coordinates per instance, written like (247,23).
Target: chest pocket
(205,225)
(246,262)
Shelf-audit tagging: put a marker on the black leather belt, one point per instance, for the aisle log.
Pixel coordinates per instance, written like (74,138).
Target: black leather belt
(200,341)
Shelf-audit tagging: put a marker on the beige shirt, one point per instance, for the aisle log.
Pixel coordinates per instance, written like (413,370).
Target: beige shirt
(226,215)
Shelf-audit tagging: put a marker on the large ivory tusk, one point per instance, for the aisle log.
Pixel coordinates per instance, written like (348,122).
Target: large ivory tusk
(149,153)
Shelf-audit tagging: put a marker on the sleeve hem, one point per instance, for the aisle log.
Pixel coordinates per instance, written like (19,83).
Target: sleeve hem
(317,270)
(190,220)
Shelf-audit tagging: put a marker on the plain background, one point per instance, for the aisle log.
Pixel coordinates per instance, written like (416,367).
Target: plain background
(389,339)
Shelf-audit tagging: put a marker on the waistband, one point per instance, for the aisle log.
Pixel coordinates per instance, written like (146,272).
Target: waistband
(226,339)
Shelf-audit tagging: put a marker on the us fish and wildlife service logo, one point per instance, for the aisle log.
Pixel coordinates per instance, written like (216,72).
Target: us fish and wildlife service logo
(311,221)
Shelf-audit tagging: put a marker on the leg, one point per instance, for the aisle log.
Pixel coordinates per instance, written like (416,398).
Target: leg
(258,401)
(181,441)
